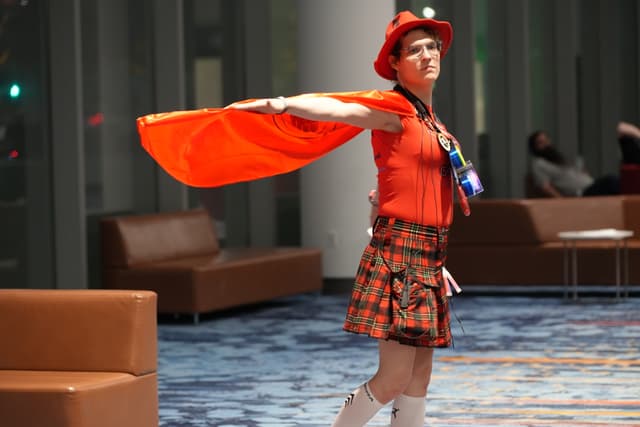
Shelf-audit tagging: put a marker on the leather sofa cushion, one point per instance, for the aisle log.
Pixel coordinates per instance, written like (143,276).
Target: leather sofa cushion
(233,277)
(78,330)
(140,239)
(78,399)
(235,257)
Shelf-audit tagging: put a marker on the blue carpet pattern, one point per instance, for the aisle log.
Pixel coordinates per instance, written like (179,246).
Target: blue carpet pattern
(521,361)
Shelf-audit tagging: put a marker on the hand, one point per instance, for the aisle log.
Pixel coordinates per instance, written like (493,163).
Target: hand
(263,106)
(373,197)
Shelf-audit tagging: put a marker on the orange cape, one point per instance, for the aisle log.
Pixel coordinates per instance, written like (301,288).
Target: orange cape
(214,146)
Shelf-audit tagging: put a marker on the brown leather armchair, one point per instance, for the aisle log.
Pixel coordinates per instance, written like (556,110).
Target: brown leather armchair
(78,358)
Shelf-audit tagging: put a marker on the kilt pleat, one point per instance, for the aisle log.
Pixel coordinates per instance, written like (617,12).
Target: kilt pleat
(417,253)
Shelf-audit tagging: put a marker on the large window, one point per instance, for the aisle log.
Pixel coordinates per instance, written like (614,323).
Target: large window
(284,64)
(204,44)
(223,49)
(117,88)
(25,194)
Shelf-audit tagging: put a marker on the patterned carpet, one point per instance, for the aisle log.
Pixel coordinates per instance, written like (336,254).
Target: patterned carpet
(521,361)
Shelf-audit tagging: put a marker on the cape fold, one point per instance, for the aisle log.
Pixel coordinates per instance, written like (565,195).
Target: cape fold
(214,146)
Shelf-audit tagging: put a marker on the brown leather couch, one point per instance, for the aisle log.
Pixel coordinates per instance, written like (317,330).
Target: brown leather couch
(516,241)
(178,256)
(78,358)
(630,179)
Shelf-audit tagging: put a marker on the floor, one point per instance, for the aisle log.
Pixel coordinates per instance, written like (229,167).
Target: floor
(520,361)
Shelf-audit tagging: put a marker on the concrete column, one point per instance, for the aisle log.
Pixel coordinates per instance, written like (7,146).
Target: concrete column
(610,54)
(236,197)
(546,89)
(454,99)
(169,87)
(67,140)
(565,57)
(116,161)
(33,239)
(517,99)
(495,176)
(262,206)
(463,121)
(589,74)
(629,51)
(338,42)
(509,100)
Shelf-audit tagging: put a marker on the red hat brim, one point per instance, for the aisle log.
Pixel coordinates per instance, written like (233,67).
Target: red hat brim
(381,64)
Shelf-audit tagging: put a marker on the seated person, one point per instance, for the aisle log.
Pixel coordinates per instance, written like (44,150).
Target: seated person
(555,177)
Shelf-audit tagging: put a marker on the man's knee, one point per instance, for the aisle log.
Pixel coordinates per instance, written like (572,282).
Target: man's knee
(386,385)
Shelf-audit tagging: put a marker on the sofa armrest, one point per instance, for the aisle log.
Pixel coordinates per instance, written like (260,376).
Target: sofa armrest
(632,215)
(80,330)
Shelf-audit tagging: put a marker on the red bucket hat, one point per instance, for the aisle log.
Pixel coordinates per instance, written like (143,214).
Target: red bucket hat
(399,26)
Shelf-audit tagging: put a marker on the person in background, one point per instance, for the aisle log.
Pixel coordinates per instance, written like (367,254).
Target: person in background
(554,176)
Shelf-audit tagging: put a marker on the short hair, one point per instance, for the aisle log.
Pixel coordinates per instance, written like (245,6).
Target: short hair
(532,140)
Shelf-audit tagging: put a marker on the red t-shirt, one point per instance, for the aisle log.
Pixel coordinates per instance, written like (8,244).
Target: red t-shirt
(414,174)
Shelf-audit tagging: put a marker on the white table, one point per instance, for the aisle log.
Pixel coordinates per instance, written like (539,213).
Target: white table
(619,237)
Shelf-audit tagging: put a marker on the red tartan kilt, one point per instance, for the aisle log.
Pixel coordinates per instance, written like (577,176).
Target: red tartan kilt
(405,254)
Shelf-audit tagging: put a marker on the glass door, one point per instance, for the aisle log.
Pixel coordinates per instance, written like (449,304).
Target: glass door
(25,162)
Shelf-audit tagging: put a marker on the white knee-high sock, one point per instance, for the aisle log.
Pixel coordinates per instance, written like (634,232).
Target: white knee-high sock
(359,407)
(408,411)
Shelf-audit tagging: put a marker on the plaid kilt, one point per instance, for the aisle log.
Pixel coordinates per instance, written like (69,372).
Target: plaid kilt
(400,273)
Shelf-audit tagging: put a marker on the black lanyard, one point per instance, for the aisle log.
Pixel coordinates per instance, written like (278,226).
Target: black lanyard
(423,111)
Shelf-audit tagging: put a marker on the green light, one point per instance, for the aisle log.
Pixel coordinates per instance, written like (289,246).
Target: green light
(14,91)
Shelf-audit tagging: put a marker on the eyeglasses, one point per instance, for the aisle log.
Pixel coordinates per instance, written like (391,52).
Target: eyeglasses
(416,51)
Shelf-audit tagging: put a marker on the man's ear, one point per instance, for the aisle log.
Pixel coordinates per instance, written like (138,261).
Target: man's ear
(393,61)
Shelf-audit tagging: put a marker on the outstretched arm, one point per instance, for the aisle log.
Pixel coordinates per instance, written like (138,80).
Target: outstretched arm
(326,109)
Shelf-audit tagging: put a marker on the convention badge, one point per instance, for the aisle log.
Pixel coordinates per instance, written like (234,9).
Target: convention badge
(444,142)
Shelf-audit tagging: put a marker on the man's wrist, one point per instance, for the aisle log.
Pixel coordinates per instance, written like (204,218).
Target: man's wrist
(285,104)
